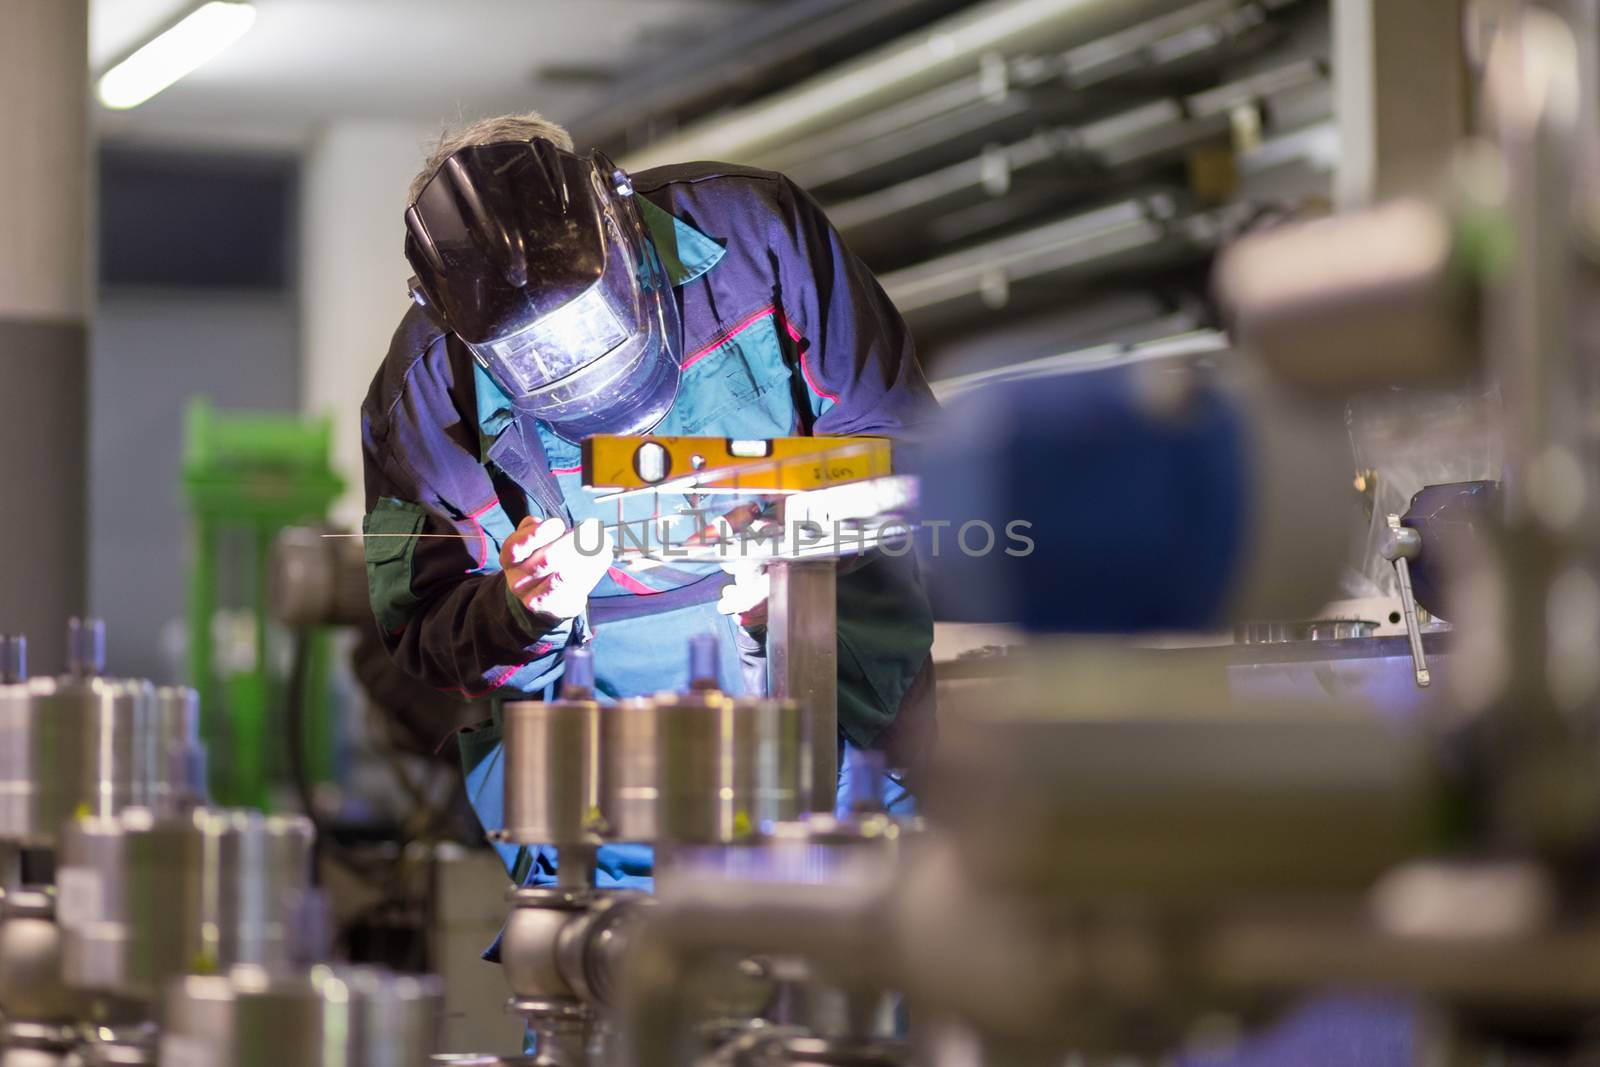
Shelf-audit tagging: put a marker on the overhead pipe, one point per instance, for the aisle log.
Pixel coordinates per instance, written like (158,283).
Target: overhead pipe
(1098,147)
(764,50)
(922,60)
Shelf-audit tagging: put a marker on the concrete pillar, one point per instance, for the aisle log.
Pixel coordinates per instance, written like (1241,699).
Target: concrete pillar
(353,273)
(44,189)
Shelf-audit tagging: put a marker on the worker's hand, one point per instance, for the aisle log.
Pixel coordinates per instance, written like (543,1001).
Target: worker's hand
(746,596)
(551,570)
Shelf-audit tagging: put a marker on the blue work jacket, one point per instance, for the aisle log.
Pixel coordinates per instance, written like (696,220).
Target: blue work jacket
(784,332)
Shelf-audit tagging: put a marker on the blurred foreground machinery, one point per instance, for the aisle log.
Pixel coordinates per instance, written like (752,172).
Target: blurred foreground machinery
(1127,851)
(138,924)
(1126,855)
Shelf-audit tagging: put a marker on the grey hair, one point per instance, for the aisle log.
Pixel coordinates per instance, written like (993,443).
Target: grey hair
(523,127)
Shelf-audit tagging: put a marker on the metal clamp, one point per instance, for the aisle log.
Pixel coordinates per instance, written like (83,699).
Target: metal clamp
(1400,545)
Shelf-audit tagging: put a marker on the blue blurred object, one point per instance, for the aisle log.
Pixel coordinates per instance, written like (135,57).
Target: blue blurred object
(1114,504)
(865,786)
(1334,1030)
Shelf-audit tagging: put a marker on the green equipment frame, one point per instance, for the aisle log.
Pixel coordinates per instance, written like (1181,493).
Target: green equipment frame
(246,476)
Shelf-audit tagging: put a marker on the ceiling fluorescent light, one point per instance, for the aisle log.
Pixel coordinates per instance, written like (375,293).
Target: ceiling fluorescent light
(179,50)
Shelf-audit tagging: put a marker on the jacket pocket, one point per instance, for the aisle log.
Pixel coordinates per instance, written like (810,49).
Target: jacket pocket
(741,388)
(389,546)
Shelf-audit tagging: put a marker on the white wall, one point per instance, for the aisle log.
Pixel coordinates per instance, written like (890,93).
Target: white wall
(353,274)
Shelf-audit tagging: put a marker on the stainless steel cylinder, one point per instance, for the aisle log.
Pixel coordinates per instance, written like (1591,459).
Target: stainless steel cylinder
(552,774)
(144,899)
(678,769)
(71,746)
(326,1017)
(528,946)
(178,775)
(706,763)
(781,758)
(629,782)
(31,984)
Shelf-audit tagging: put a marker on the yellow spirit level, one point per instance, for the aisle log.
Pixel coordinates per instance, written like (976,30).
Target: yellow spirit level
(774,464)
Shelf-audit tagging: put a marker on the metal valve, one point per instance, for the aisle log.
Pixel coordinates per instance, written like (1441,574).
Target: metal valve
(1401,545)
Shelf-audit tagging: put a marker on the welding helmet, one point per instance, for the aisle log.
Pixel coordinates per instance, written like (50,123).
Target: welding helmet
(539,261)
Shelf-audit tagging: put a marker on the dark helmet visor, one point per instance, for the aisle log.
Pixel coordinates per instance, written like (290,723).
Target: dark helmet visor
(539,261)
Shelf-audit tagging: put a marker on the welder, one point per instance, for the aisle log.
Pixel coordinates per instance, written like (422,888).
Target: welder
(555,297)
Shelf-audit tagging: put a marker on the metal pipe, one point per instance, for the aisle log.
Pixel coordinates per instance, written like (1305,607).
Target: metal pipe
(922,60)
(803,662)
(1137,134)
(761,49)
(1124,233)
(844,926)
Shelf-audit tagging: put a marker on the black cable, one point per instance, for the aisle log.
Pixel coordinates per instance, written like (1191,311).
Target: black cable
(294,720)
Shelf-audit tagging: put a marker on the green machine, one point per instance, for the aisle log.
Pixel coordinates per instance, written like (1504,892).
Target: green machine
(246,476)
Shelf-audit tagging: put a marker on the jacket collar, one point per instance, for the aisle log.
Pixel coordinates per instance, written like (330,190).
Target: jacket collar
(685,252)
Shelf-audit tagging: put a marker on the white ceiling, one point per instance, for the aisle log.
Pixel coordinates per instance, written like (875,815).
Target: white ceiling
(309,62)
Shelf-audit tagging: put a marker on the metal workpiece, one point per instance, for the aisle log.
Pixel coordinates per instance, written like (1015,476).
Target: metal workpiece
(699,768)
(323,1017)
(552,775)
(70,745)
(317,580)
(528,945)
(816,893)
(178,781)
(143,899)
(561,945)
(86,744)
(780,753)
(629,770)
(698,924)
(677,769)
(803,663)
(1168,785)
(31,983)
(1379,297)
